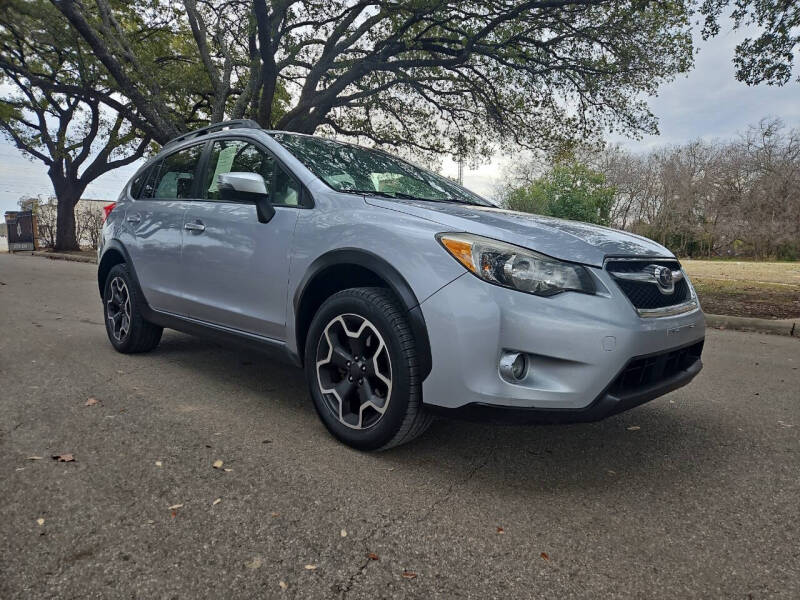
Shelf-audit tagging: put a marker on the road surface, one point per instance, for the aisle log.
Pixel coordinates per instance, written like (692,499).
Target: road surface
(696,494)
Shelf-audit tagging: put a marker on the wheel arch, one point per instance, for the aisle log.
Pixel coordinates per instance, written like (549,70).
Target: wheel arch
(352,267)
(114,254)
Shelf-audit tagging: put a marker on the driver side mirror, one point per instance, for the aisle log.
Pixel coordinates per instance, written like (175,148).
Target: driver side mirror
(247,187)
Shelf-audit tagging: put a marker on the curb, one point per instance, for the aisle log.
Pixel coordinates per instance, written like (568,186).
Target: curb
(790,327)
(63,256)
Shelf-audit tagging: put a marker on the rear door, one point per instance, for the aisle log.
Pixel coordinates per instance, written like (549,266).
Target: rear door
(236,269)
(154,226)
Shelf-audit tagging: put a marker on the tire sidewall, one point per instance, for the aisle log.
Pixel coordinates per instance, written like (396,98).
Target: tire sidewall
(382,432)
(119,271)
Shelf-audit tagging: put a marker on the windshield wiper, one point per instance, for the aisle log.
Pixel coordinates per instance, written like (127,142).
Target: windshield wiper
(402,195)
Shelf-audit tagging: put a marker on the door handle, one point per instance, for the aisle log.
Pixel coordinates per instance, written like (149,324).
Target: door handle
(194,226)
(135,218)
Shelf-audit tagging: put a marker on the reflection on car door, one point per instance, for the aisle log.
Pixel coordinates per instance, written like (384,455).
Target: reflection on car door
(236,269)
(154,226)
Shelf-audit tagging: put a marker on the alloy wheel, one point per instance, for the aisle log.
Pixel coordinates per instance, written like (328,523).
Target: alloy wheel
(354,371)
(118,309)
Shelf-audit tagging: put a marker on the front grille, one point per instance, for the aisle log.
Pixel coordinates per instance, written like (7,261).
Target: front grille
(649,370)
(644,294)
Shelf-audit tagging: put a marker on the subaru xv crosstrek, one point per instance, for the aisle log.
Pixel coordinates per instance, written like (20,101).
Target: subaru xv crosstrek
(401,294)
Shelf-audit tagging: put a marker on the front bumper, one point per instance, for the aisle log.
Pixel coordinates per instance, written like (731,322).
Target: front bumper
(578,346)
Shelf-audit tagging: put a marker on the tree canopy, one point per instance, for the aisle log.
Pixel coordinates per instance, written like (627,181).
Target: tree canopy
(432,75)
(568,190)
(66,125)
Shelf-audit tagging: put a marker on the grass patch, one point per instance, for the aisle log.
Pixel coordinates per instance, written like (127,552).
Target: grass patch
(747,289)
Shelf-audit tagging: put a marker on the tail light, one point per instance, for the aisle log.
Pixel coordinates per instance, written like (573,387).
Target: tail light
(107,210)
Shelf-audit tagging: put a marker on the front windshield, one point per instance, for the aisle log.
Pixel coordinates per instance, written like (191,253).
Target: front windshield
(348,168)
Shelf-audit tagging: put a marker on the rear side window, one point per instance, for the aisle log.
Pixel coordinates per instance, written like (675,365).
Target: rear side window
(175,177)
(142,185)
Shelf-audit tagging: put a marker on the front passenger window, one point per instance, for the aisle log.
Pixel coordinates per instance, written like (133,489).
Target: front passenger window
(243,157)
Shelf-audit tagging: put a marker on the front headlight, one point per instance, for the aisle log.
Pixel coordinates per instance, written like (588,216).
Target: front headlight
(514,267)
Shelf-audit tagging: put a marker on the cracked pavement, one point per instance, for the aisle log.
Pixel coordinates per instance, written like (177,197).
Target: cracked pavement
(700,501)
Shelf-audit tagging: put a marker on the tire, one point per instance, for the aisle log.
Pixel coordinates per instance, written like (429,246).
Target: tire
(127,329)
(385,409)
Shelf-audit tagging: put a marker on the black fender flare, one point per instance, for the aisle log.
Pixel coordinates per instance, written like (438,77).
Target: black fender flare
(118,246)
(395,281)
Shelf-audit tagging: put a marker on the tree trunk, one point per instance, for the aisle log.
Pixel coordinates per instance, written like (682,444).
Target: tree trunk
(67,195)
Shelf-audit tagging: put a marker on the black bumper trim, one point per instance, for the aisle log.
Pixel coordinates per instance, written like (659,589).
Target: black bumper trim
(605,405)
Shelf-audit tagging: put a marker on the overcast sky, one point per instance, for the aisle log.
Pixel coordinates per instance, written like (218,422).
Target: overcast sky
(708,103)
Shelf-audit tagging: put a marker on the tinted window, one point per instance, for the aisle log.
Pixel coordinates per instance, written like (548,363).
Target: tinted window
(238,156)
(175,178)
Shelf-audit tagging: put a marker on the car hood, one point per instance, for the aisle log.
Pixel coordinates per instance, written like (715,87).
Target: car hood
(566,240)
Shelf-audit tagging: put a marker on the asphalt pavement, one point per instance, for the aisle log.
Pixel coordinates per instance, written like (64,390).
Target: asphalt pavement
(696,494)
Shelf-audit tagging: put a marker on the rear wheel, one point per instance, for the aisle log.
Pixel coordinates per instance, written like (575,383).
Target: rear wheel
(127,329)
(362,371)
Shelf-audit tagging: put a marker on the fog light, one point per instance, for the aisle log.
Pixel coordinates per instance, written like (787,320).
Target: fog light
(514,365)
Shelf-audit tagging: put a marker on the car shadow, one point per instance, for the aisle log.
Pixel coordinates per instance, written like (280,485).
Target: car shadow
(661,444)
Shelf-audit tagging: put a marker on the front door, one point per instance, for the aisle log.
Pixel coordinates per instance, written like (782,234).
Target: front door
(236,269)
(153,231)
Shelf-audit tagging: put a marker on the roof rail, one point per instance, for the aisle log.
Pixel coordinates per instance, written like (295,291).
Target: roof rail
(234,124)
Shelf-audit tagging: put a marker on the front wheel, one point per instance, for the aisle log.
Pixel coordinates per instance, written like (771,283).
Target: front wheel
(362,371)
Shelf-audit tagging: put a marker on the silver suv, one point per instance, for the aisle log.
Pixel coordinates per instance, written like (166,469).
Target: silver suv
(401,294)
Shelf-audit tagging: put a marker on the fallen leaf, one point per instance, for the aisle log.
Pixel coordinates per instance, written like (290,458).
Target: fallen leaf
(227,470)
(283,585)
(276,514)
(501,530)
(343,533)
(91,402)
(373,556)
(159,463)
(409,575)
(34,458)
(40,521)
(176,506)
(634,428)
(217,501)
(311,567)
(64,457)
(217,464)
(255,563)
(545,556)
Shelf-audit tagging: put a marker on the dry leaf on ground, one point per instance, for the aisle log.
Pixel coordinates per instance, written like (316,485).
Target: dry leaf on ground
(409,575)
(311,567)
(91,401)
(283,585)
(545,556)
(500,530)
(217,501)
(217,464)
(64,457)
(373,556)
